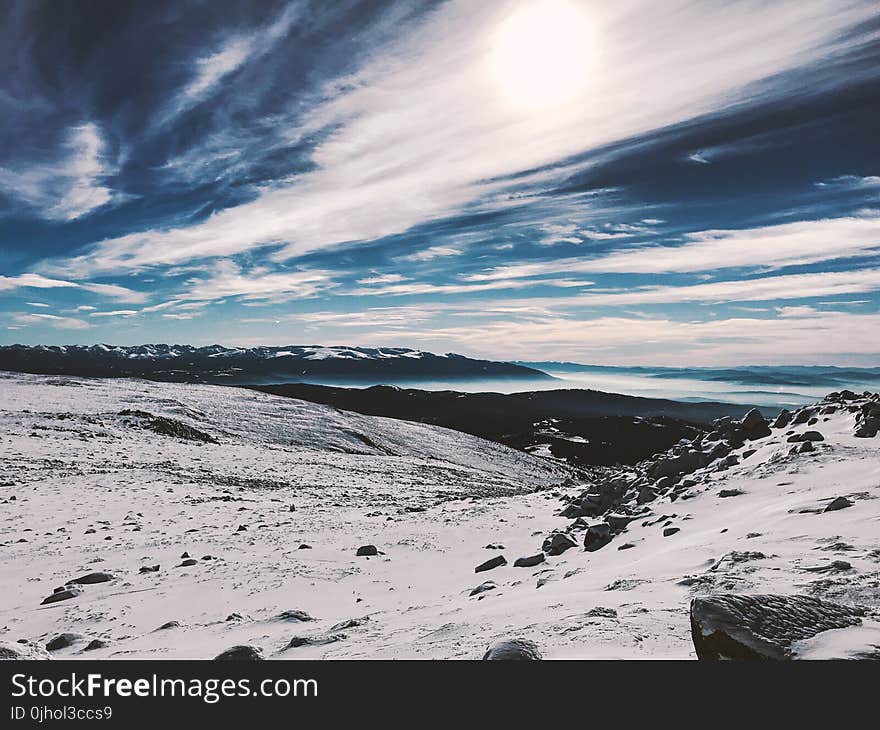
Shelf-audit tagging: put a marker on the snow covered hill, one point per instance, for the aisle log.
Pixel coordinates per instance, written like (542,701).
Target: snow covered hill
(181,520)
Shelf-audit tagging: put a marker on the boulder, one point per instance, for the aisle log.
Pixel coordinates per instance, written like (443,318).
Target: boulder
(753,420)
(783,419)
(90,578)
(488,585)
(762,626)
(838,503)
(557,543)
(367,550)
(513,650)
(241,653)
(64,594)
(597,536)
(529,562)
(491,563)
(62,641)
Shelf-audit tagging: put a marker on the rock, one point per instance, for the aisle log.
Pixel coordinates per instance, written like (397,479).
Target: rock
(805,436)
(669,531)
(783,419)
(298,641)
(626,546)
(836,566)
(96,644)
(806,447)
(601,612)
(242,528)
(293,615)
(838,503)
(618,522)
(367,550)
(304,546)
(597,536)
(513,650)
(730,492)
(18,651)
(529,562)
(753,420)
(184,555)
(89,578)
(483,587)
(865,431)
(760,627)
(188,562)
(169,625)
(62,641)
(241,653)
(64,594)
(557,543)
(148,569)
(491,563)
(748,452)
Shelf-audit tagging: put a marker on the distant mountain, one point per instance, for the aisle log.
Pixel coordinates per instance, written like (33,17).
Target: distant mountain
(217,364)
(584,427)
(786,375)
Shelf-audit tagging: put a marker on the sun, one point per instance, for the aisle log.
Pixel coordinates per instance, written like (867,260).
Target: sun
(541,54)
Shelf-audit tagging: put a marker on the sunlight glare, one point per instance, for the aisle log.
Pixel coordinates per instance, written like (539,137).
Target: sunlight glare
(541,54)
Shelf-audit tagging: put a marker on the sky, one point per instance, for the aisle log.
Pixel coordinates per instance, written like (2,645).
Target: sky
(680,183)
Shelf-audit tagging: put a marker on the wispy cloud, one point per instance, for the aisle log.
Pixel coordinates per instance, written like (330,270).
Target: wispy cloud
(65,323)
(73,185)
(764,247)
(230,55)
(38,281)
(422,130)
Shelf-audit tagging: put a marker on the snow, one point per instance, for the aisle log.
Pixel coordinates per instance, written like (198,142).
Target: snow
(348,474)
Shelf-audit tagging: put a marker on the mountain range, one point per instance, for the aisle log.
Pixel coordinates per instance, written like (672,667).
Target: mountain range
(218,364)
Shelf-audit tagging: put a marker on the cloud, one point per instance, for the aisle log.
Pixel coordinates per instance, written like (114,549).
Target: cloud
(817,337)
(228,280)
(765,247)
(429,254)
(65,323)
(71,187)
(115,313)
(38,281)
(232,54)
(790,286)
(422,130)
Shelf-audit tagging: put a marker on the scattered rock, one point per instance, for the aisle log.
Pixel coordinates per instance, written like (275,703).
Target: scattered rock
(512,650)
(491,563)
(62,641)
(293,615)
(755,627)
(597,536)
(557,543)
(483,587)
(838,503)
(66,593)
(20,651)
(89,578)
(241,653)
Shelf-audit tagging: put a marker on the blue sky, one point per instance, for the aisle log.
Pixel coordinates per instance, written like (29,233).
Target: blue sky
(676,183)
